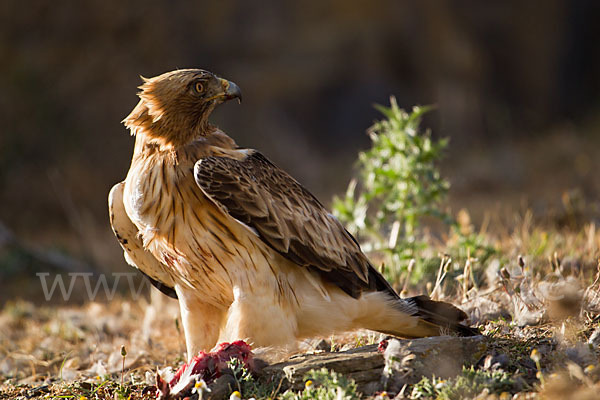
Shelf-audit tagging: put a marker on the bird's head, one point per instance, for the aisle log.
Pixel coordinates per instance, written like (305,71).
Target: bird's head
(174,107)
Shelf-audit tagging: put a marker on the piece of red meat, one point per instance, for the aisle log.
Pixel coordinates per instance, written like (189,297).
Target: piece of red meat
(206,366)
(210,365)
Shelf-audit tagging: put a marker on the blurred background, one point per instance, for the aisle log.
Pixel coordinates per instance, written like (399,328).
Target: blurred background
(516,87)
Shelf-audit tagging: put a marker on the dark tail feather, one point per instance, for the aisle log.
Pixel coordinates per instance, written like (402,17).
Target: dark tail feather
(442,314)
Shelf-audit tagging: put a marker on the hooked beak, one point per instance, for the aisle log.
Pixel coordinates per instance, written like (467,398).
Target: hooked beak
(230,90)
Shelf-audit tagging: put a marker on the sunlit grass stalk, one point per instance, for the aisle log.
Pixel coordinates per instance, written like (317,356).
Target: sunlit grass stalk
(123,355)
(409,269)
(443,269)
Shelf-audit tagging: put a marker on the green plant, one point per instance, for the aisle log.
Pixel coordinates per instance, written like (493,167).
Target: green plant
(399,185)
(324,385)
(246,384)
(468,384)
(243,377)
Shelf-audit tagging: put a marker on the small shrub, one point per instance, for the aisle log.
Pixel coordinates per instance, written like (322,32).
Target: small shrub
(324,385)
(399,185)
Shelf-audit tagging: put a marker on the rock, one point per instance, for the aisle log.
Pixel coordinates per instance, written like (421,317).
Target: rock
(404,361)
(581,354)
(563,299)
(594,339)
(221,388)
(323,345)
(494,362)
(407,361)
(363,364)
(481,310)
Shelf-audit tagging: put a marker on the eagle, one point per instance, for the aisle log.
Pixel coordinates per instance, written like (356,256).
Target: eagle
(248,251)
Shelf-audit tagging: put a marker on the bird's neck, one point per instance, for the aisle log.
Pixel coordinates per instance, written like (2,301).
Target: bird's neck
(147,145)
(163,131)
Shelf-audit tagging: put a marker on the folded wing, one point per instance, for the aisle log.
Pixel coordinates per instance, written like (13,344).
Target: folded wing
(288,218)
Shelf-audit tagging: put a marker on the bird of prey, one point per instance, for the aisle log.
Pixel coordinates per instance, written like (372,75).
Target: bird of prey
(247,250)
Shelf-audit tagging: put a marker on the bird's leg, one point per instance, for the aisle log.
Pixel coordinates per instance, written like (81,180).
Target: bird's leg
(260,320)
(201,322)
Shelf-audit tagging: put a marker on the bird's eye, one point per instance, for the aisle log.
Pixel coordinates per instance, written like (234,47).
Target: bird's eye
(199,87)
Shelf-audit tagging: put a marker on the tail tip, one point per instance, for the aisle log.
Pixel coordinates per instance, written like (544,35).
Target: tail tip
(444,315)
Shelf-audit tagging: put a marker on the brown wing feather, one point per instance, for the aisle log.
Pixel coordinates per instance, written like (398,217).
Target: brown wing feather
(288,218)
